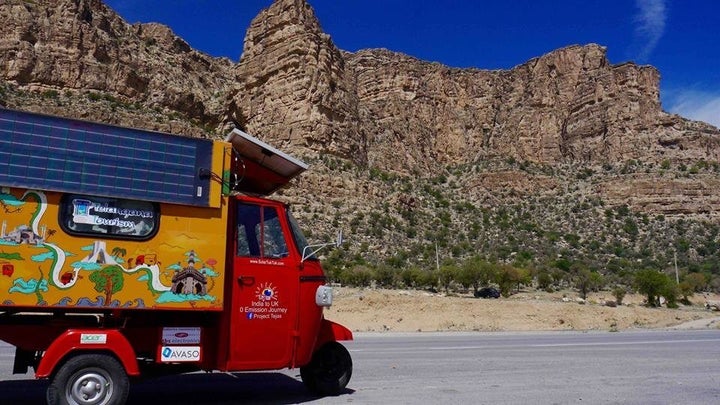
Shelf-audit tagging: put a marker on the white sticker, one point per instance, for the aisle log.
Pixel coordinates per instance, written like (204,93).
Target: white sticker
(179,353)
(180,336)
(93,338)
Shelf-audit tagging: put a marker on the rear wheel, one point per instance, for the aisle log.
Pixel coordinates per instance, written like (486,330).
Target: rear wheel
(89,379)
(329,371)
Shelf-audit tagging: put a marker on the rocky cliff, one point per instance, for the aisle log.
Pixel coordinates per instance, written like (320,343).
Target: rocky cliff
(571,105)
(405,152)
(377,107)
(293,85)
(406,116)
(81,47)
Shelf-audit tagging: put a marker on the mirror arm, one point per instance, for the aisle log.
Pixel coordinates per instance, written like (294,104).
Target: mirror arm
(320,246)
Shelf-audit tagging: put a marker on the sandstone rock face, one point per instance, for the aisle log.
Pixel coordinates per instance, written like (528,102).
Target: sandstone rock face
(379,111)
(570,105)
(82,45)
(402,114)
(668,195)
(292,85)
(406,116)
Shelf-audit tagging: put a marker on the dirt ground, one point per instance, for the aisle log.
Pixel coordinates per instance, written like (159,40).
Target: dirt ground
(379,310)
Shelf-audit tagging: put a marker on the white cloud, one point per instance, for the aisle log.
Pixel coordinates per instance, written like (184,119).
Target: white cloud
(697,105)
(650,21)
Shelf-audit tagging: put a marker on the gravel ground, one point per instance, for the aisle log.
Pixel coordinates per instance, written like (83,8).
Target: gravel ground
(380,310)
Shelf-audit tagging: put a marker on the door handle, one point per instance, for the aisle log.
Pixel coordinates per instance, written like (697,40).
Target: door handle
(246,280)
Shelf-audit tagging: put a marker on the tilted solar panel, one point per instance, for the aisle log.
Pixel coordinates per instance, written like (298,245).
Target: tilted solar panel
(59,154)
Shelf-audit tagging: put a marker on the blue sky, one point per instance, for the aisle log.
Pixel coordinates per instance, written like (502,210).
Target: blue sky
(679,37)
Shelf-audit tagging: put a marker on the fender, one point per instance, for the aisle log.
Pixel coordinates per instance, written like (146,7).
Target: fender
(331,331)
(109,340)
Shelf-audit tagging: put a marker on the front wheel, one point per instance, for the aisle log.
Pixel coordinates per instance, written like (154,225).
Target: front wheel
(329,371)
(89,379)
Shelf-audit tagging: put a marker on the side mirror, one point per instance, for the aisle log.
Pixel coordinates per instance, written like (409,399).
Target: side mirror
(310,250)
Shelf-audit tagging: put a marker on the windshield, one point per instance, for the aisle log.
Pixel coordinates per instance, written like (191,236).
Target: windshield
(298,236)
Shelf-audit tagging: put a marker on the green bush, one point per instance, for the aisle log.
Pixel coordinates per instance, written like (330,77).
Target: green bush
(411,277)
(544,280)
(385,276)
(429,279)
(358,276)
(619,294)
(50,94)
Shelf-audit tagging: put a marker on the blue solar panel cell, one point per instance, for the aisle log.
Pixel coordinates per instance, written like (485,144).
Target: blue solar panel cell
(45,152)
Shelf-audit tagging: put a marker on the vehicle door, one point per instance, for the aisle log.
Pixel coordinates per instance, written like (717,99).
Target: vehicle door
(265,289)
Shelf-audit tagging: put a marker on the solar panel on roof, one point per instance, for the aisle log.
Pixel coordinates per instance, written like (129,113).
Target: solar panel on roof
(266,169)
(59,154)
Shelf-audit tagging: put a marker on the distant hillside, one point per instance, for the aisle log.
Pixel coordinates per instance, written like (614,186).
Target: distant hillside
(563,160)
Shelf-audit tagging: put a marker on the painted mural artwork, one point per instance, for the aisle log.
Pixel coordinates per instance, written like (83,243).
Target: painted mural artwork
(42,265)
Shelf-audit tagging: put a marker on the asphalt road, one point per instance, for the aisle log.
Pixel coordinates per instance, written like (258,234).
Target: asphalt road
(648,367)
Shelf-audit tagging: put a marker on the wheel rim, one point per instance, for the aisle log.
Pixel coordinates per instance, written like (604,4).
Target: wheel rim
(89,387)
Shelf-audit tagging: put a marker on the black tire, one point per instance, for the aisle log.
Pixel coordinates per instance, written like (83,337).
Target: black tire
(89,379)
(329,371)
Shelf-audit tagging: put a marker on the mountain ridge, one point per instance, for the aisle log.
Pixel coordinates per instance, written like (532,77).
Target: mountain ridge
(546,158)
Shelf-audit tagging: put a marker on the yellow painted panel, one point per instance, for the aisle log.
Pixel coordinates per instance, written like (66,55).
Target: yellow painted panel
(221,155)
(181,267)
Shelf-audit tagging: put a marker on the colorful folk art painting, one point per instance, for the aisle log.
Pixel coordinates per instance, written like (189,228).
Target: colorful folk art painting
(45,263)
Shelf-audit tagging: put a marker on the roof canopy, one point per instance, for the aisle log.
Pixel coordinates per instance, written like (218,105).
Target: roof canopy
(263,169)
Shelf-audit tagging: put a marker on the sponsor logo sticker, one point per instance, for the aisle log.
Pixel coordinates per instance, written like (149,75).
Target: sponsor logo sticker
(93,338)
(180,336)
(172,354)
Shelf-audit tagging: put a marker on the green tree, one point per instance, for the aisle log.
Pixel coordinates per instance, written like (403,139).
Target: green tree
(670,291)
(469,275)
(652,284)
(524,278)
(504,279)
(108,280)
(488,272)
(447,274)
(587,281)
(509,277)
(475,272)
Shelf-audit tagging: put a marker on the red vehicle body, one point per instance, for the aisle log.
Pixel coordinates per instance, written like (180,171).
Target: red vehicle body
(268,291)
